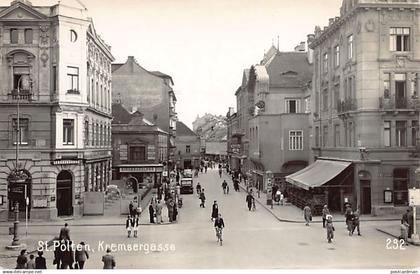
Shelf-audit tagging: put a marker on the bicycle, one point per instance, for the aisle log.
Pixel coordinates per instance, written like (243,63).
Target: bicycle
(219,232)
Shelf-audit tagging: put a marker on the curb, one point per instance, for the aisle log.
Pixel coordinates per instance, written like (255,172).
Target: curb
(396,237)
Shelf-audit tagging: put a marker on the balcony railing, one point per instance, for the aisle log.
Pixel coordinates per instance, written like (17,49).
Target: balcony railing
(21,95)
(399,103)
(346,105)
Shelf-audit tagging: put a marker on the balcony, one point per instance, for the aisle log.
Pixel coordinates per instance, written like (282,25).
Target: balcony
(346,106)
(24,94)
(398,104)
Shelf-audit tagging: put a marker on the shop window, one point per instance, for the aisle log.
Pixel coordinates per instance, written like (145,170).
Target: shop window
(401,187)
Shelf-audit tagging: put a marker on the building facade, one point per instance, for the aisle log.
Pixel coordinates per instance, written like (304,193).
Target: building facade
(188,154)
(366,106)
(56,75)
(149,91)
(139,149)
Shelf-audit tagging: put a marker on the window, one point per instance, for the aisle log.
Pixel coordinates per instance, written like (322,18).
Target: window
(54,78)
(414,131)
(325,136)
(400,90)
(137,153)
(399,39)
(400,186)
(337,96)
(68,132)
(350,47)
(336,135)
(86,133)
(325,62)
(337,56)
(387,133)
(296,140)
(29,36)
(23,131)
(352,134)
(316,136)
(401,133)
(292,106)
(18,73)
(14,36)
(73,79)
(387,81)
(188,149)
(325,100)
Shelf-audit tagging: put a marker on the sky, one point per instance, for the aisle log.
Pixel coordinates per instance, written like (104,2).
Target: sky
(203,44)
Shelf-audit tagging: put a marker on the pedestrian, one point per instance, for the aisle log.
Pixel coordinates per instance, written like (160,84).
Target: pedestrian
(135,225)
(236,185)
(325,213)
(128,225)
(356,222)
(31,263)
(198,187)
(349,222)
(214,211)
(21,260)
(281,199)
(40,262)
(131,209)
(410,223)
(202,198)
(151,214)
(248,200)
(67,256)
(159,212)
(170,206)
(57,253)
(177,177)
(404,232)
(81,255)
(330,228)
(108,260)
(138,211)
(65,232)
(307,214)
(278,195)
(175,211)
(220,172)
(253,203)
(224,186)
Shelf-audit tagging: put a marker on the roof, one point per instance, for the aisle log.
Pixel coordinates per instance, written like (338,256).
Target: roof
(183,130)
(289,69)
(114,67)
(120,114)
(162,75)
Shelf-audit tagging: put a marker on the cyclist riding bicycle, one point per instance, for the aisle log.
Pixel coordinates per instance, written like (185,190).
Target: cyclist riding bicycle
(219,225)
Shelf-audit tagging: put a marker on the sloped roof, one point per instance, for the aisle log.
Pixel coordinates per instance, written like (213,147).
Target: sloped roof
(120,114)
(114,67)
(289,70)
(162,75)
(183,130)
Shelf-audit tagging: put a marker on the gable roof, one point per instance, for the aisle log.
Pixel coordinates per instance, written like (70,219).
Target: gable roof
(162,75)
(120,114)
(289,70)
(24,6)
(183,130)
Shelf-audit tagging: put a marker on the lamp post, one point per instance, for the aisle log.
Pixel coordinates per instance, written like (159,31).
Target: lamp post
(25,81)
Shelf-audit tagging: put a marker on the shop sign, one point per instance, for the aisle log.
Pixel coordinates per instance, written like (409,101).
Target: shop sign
(414,196)
(40,203)
(141,169)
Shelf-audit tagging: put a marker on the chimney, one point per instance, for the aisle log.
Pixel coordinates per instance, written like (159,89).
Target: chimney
(330,21)
(301,47)
(130,62)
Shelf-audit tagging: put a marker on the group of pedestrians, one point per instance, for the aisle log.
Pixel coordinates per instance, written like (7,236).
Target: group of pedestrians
(156,208)
(352,220)
(22,261)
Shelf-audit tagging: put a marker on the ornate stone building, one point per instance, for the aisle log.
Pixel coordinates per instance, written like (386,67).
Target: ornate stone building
(366,107)
(55,71)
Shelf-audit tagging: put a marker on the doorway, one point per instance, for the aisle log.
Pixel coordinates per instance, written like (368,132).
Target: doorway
(366,205)
(64,194)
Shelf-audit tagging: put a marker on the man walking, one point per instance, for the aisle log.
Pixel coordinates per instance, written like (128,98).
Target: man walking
(81,255)
(330,228)
(307,214)
(356,222)
(325,212)
(202,198)
(350,221)
(159,212)
(249,201)
(214,211)
(224,186)
(108,260)
(65,233)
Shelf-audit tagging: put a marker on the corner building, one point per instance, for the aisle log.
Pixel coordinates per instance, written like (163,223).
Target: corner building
(366,107)
(64,115)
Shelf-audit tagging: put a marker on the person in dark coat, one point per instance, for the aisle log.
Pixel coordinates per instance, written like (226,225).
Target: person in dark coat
(57,254)
(81,255)
(224,186)
(410,223)
(151,214)
(215,211)
(350,221)
(202,198)
(67,256)
(65,233)
(356,223)
(108,260)
(40,262)
(175,212)
(131,209)
(21,260)
(249,199)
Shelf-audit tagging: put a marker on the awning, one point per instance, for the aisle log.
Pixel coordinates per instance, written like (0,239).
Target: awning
(317,174)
